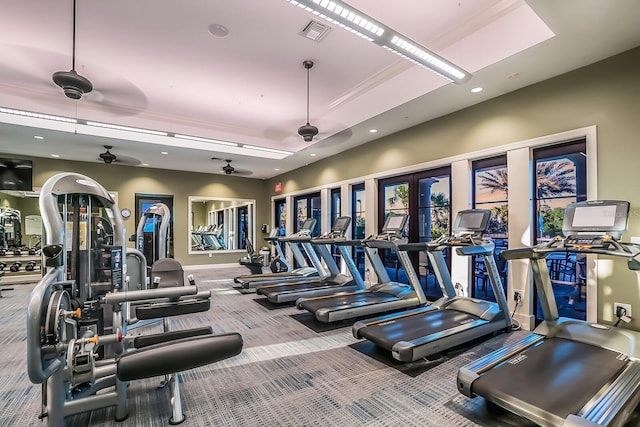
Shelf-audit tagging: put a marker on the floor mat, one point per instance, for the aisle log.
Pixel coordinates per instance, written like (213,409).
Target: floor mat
(413,369)
(309,320)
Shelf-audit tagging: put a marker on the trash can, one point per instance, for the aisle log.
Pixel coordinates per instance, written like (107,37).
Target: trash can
(265,253)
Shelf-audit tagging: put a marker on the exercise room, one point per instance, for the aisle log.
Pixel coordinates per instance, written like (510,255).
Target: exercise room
(315,213)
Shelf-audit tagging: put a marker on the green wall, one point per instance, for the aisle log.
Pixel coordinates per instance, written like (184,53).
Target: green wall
(605,94)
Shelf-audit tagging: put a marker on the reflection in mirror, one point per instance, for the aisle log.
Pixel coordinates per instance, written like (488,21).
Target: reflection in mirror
(219,224)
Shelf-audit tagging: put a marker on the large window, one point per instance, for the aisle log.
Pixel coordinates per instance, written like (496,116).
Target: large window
(309,206)
(358,219)
(280,215)
(426,198)
(561,178)
(490,192)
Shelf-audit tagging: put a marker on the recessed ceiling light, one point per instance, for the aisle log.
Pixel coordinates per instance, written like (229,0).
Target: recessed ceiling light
(276,169)
(476,89)
(313,154)
(373,130)
(55,155)
(218,30)
(145,164)
(38,137)
(163,152)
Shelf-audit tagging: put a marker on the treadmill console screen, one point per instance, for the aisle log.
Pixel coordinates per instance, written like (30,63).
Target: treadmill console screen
(596,218)
(307,225)
(471,221)
(341,224)
(394,224)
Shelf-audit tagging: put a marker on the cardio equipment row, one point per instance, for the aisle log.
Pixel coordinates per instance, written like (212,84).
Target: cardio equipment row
(567,372)
(408,325)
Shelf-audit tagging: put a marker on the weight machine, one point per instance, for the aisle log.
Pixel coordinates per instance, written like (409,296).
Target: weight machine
(77,316)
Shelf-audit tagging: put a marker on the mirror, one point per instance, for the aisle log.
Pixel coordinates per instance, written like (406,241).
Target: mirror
(219,224)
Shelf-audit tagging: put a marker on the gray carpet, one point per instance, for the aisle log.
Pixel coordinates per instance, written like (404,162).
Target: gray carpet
(287,375)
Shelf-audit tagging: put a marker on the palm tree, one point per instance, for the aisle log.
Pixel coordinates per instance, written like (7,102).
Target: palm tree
(495,180)
(555,178)
(400,194)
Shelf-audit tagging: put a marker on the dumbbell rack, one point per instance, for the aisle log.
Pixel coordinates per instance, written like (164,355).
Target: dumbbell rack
(20,276)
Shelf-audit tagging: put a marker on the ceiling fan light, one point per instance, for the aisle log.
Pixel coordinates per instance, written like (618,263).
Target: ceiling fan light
(73,84)
(307,132)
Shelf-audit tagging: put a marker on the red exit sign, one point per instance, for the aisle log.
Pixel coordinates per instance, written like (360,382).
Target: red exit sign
(278,187)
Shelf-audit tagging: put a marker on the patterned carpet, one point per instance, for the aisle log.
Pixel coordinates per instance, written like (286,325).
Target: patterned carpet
(286,375)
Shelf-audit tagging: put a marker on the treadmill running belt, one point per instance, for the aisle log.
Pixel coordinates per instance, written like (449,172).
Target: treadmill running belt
(409,328)
(558,376)
(291,287)
(345,301)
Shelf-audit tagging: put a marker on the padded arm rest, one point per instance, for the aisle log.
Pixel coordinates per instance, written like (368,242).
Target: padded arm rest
(168,309)
(176,356)
(163,337)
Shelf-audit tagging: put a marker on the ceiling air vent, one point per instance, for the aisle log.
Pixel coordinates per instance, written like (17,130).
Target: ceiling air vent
(315,31)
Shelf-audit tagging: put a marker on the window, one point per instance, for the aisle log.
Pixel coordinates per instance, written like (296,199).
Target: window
(358,219)
(425,196)
(280,215)
(490,192)
(561,178)
(309,206)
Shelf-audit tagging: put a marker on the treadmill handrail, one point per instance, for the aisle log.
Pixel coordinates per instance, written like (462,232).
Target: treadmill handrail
(621,249)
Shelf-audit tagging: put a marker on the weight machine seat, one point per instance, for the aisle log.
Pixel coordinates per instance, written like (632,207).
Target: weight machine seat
(169,271)
(171,308)
(177,355)
(163,337)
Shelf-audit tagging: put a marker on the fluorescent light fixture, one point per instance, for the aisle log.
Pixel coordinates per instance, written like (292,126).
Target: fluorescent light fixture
(37,115)
(86,127)
(125,128)
(270,150)
(350,18)
(212,141)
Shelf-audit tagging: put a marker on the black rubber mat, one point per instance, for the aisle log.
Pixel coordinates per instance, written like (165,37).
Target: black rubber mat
(271,306)
(558,376)
(412,369)
(309,320)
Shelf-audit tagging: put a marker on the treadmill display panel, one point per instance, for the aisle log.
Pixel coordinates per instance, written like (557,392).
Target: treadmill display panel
(394,224)
(307,225)
(342,223)
(471,221)
(598,217)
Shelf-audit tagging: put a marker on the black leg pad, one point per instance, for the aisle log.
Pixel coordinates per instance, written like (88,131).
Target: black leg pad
(176,356)
(168,309)
(163,337)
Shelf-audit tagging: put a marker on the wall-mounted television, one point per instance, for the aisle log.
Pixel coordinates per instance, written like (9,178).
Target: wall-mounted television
(16,174)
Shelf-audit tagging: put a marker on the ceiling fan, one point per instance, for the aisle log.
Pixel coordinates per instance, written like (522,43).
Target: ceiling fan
(229,170)
(307,131)
(108,158)
(73,84)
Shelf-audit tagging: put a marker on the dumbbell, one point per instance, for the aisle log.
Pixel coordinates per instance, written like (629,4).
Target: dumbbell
(33,251)
(31,265)
(15,266)
(17,251)
(3,251)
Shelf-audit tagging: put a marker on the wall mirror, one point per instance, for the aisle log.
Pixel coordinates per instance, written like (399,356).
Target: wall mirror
(219,224)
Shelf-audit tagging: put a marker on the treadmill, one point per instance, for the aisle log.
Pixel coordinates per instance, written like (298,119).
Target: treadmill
(296,241)
(334,283)
(452,320)
(378,298)
(567,372)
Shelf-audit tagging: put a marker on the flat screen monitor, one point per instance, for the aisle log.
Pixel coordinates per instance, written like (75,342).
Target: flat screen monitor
(596,217)
(342,223)
(16,175)
(308,225)
(395,223)
(471,221)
